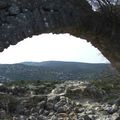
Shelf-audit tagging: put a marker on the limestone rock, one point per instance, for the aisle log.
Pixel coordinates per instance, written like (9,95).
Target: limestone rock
(14,9)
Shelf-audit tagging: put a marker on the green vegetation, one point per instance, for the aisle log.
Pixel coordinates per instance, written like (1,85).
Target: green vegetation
(25,83)
(110,86)
(55,70)
(21,96)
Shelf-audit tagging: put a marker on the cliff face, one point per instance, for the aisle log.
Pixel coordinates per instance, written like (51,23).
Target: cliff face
(21,19)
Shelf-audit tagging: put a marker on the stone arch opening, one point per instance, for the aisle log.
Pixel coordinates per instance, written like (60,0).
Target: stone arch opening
(22,19)
(26,61)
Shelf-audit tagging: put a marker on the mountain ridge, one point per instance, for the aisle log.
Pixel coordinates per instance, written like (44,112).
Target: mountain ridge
(53,61)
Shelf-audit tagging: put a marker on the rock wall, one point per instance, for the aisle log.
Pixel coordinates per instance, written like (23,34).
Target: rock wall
(20,19)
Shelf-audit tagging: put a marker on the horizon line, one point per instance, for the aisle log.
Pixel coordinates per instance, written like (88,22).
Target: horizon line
(59,61)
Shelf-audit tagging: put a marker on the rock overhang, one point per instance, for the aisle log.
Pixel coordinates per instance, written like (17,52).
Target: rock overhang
(21,19)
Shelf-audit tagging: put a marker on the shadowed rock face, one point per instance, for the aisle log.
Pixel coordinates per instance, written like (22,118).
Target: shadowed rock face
(20,19)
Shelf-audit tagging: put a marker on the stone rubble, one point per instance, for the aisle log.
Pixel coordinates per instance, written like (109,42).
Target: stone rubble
(59,105)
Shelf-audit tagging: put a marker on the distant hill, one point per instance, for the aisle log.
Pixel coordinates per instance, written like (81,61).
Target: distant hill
(55,70)
(62,63)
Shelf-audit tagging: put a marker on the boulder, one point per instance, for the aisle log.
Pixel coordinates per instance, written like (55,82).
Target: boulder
(111,108)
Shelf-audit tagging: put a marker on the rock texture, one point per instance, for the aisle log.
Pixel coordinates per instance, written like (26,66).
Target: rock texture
(74,100)
(21,19)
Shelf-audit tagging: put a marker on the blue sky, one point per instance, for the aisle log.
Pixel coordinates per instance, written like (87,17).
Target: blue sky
(45,47)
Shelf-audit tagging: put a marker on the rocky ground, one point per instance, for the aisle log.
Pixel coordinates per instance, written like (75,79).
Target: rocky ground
(59,101)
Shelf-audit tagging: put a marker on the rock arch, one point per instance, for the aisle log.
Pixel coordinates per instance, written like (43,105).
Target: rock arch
(20,19)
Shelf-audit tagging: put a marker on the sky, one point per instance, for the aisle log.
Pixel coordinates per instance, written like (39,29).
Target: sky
(47,47)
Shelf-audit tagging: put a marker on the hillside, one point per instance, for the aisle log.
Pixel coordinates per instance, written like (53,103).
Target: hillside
(54,70)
